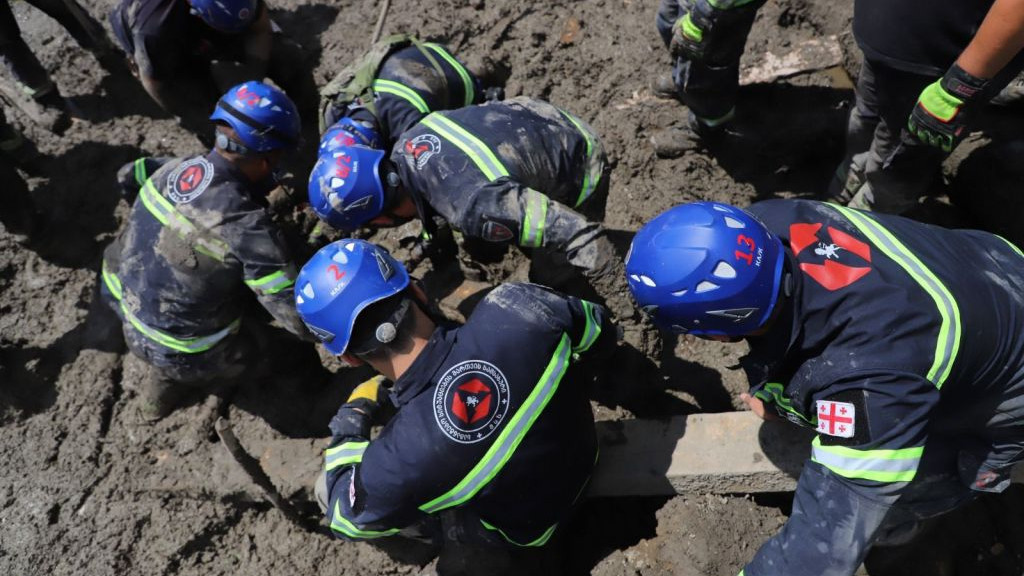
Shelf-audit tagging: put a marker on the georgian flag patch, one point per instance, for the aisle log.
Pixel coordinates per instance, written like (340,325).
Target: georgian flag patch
(836,418)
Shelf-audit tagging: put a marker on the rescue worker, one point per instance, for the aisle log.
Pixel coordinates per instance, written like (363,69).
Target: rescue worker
(187,52)
(198,239)
(34,91)
(929,68)
(504,172)
(392,87)
(706,40)
(900,343)
(493,440)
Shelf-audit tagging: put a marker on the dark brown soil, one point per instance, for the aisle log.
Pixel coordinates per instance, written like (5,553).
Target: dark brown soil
(86,488)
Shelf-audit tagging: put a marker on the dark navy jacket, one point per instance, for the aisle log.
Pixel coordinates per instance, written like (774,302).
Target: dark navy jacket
(505,172)
(197,238)
(903,345)
(492,417)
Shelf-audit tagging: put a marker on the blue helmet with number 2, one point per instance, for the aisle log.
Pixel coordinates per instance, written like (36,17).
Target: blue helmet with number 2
(707,269)
(339,282)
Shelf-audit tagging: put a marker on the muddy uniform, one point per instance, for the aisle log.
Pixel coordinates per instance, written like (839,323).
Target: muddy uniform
(407,84)
(170,45)
(509,172)
(906,45)
(197,239)
(494,432)
(708,88)
(906,354)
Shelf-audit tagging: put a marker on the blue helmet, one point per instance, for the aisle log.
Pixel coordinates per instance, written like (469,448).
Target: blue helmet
(264,118)
(345,186)
(231,16)
(707,269)
(339,282)
(349,132)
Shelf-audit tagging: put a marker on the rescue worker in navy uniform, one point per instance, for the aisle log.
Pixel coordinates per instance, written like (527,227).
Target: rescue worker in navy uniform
(187,52)
(503,172)
(706,40)
(493,439)
(198,238)
(901,343)
(929,69)
(46,106)
(392,87)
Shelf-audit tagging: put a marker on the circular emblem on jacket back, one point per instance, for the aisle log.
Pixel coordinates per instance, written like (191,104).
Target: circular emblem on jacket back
(471,401)
(189,180)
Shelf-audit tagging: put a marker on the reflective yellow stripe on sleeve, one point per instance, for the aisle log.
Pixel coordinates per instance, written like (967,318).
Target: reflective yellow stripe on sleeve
(346,527)
(592,176)
(271,283)
(344,454)
(165,212)
(878,465)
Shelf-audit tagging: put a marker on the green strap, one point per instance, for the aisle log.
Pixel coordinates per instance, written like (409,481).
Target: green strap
(165,212)
(947,344)
(592,176)
(343,525)
(939,103)
(271,283)
(467,81)
(534,220)
(877,465)
(511,435)
(539,541)
(139,167)
(402,91)
(592,330)
(111,280)
(477,151)
(344,454)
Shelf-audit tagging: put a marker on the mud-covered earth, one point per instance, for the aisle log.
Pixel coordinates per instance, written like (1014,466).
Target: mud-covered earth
(87,488)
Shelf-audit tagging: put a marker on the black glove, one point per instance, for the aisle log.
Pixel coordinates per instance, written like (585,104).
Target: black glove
(938,119)
(691,33)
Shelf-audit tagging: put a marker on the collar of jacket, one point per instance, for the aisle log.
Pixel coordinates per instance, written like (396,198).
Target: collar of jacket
(768,351)
(257,190)
(420,374)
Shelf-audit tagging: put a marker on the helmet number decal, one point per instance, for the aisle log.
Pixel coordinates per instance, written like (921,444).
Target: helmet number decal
(751,247)
(338,274)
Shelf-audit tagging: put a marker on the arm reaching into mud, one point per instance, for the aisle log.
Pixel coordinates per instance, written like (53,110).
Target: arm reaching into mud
(999,39)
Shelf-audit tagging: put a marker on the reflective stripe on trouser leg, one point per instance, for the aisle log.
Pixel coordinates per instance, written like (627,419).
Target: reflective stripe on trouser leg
(467,82)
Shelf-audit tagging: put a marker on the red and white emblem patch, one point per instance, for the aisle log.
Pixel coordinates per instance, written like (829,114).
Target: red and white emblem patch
(836,418)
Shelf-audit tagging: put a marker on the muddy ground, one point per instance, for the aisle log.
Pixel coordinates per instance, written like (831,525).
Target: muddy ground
(86,488)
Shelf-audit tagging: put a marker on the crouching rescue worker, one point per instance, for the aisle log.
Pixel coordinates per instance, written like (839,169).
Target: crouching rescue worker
(493,441)
(504,172)
(900,343)
(392,87)
(198,239)
(188,52)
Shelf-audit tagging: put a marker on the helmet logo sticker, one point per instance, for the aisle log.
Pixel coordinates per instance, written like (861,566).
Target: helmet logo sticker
(835,263)
(735,314)
(336,275)
(386,270)
(421,148)
(357,204)
(189,180)
(749,251)
(496,232)
(471,401)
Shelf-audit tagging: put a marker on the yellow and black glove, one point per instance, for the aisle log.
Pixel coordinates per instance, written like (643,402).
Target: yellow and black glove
(938,119)
(355,415)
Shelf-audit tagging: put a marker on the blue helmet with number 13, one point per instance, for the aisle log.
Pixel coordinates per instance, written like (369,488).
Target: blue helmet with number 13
(706,269)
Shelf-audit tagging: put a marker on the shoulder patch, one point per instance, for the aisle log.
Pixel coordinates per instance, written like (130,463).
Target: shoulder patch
(836,418)
(471,401)
(421,148)
(494,231)
(189,180)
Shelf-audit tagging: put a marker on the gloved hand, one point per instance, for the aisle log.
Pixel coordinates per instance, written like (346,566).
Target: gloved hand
(689,33)
(353,418)
(938,119)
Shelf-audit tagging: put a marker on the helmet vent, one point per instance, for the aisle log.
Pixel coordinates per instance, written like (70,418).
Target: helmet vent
(299,299)
(679,293)
(734,223)
(308,290)
(721,208)
(647,281)
(706,286)
(340,257)
(724,270)
(351,246)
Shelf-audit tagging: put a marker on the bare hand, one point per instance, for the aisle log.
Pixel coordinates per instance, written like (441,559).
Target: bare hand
(757,407)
